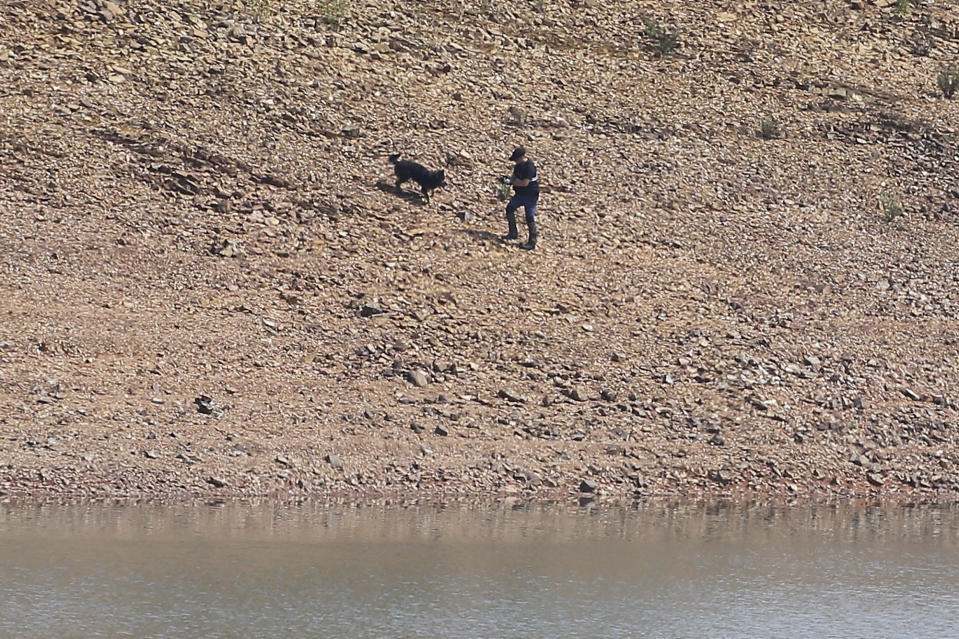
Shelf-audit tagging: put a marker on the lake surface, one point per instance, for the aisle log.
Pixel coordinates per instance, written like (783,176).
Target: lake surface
(269,570)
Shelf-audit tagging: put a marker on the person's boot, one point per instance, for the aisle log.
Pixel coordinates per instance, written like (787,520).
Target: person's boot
(513,231)
(530,244)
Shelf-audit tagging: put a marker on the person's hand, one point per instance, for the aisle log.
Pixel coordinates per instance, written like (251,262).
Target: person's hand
(505,180)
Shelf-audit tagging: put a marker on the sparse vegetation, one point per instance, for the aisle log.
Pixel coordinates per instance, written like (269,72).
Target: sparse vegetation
(664,41)
(259,8)
(921,43)
(903,7)
(948,81)
(333,12)
(517,117)
(502,191)
(769,129)
(891,208)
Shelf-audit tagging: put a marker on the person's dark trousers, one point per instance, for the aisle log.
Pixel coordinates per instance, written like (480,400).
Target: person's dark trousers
(528,203)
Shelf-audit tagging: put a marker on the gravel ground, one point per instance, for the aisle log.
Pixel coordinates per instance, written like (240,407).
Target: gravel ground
(211,288)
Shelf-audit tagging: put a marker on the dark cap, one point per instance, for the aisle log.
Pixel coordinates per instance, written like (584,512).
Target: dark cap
(518,153)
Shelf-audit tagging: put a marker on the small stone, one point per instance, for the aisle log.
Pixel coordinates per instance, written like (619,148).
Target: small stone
(721,476)
(149,454)
(224,248)
(875,479)
(371,309)
(587,486)
(418,378)
(441,431)
(334,461)
(618,357)
(764,404)
(204,404)
(579,393)
(512,396)
(216,481)
(911,394)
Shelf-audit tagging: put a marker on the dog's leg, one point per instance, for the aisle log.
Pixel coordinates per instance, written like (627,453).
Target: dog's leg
(426,194)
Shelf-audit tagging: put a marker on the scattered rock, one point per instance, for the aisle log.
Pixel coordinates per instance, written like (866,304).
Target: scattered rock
(578,393)
(418,378)
(204,404)
(721,476)
(911,394)
(512,396)
(224,248)
(370,309)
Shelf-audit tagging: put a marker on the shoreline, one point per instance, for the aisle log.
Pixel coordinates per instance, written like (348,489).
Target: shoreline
(20,493)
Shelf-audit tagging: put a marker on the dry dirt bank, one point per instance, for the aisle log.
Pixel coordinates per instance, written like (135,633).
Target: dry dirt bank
(207,286)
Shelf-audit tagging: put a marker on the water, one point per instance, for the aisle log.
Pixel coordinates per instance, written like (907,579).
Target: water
(272,571)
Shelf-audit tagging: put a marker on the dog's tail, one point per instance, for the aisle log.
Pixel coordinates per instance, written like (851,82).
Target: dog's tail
(394,158)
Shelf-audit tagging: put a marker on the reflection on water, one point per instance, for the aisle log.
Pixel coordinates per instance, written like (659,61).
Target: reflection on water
(326,570)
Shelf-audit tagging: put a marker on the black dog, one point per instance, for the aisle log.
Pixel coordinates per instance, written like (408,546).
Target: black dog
(406,171)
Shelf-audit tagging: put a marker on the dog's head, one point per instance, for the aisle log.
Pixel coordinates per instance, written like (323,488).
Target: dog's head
(438,179)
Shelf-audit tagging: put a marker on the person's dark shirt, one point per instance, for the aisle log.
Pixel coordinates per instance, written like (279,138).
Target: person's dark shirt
(526,171)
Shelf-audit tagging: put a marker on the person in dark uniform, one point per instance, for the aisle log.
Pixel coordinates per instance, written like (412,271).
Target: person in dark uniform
(525,184)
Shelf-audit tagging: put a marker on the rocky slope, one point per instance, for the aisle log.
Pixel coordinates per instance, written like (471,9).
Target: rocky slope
(209,286)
